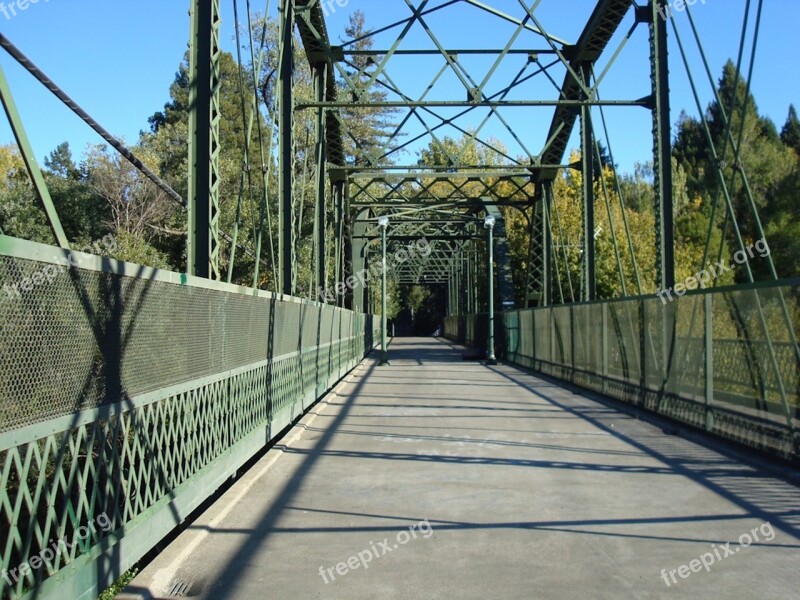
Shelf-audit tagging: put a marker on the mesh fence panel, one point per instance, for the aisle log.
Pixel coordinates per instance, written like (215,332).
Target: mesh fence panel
(624,352)
(726,361)
(192,378)
(90,338)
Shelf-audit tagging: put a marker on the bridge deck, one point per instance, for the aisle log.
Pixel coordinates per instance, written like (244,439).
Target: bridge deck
(530,491)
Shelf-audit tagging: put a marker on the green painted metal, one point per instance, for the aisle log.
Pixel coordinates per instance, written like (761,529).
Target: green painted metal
(35,173)
(501,253)
(286,149)
(381,183)
(662,148)
(490,313)
(589,283)
(321,260)
(734,384)
(384,349)
(116,432)
(204,145)
(119,428)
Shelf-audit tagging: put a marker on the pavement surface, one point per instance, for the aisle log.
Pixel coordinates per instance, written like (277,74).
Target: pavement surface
(438,478)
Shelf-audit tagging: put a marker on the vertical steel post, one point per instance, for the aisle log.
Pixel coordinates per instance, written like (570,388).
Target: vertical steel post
(587,160)
(643,362)
(470,283)
(490,357)
(662,149)
(547,245)
(475,267)
(355,256)
(539,282)
(204,147)
(662,162)
(384,223)
(339,238)
(708,346)
(459,285)
(320,275)
(286,151)
(604,342)
(449,293)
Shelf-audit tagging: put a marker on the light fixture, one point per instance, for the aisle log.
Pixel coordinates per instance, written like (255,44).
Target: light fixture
(489,222)
(383,222)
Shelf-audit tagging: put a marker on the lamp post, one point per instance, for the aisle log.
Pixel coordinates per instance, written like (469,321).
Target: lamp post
(488,223)
(383,222)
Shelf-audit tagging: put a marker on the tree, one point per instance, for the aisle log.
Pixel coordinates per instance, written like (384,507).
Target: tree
(367,130)
(790,135)
(414,297)
(136,206)
(747,145)
(84,214)
(21,214)
(167,144)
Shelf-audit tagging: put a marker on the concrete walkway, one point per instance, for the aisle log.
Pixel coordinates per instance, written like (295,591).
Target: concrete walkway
(514,487)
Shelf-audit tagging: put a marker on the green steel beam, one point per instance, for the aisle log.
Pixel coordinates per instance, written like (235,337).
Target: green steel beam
(589,288)
(411,238)
(358,259)
(456,52)
(502,257)
(286,151)
(28,156)
(569,104)
(310,20)
(434,204)
(602,25)
(320,265)
(204,146)
(339,239)
(455,170)
(539,279)
(662,149)
(506,17)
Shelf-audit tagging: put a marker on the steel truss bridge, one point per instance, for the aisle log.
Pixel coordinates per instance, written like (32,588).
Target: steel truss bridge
(135,393)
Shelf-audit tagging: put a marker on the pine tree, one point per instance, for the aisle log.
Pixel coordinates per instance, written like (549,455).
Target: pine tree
(790,135)
(367,130)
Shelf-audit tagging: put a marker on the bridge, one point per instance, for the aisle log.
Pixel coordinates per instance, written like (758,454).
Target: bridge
(582,419)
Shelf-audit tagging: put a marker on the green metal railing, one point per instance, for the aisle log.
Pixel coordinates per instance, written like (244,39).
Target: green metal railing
(129,395)
(725,361)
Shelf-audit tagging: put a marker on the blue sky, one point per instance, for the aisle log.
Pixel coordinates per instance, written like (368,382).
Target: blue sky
(117,59)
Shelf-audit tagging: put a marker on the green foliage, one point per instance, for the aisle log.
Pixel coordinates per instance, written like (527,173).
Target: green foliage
(790,135)
(414,296)
(101,193)
(21,214)
(135,249)
(83,214)
(393,300)
(119,585)
(760,181)
(367,130)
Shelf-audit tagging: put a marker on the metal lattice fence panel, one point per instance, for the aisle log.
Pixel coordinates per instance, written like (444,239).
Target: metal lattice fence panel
(725,361)
(129,395)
